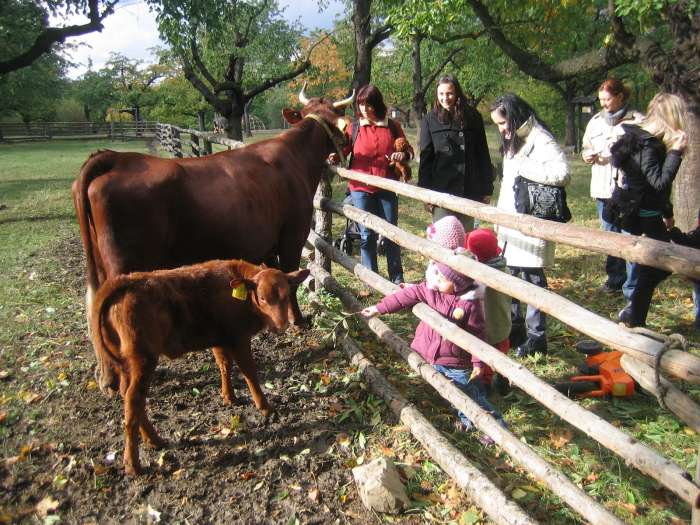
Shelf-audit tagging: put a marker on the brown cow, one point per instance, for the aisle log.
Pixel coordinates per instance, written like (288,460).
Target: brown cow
(138,317)
(141,213)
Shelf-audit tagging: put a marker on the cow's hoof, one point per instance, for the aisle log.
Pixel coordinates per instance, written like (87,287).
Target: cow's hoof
(267,412)
(156,442)
(132,470)
(304,323)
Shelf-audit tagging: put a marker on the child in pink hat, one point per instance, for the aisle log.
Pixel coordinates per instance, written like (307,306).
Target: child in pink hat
(448,294)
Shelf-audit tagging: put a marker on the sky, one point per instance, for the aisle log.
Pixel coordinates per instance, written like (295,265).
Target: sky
(132,30)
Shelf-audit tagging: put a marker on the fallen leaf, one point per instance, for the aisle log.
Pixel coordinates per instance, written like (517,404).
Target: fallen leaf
(30,397)
(99,469)
(4,374)
(364,293)
(561,437)
(258,486)
(593,476)
(52,519)
(325,378)
(3,416)
(386,451)
(469,517)
(45,506)
(313,495)
(245,476)
(630,507)
(689,431)
(225,431)
(426,485)
(178,473)
(343,439)
(518,493)
(91,385)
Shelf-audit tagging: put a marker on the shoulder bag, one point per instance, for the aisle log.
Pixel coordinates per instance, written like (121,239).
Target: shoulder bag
(541,200)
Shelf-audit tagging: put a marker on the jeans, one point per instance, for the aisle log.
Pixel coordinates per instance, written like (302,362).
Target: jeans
(474,389)
(696,302)
(615,267)
(385,205)
(648,278)
(535,319)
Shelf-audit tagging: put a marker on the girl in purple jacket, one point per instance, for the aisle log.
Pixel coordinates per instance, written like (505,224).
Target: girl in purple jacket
(446,357)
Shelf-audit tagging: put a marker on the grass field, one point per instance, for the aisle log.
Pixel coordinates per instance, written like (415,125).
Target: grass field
(41,315)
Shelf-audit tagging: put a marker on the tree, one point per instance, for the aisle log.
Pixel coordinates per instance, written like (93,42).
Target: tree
(33,92)
(132,83)
(366,39)
(94,90)
(231,51)
(27,35)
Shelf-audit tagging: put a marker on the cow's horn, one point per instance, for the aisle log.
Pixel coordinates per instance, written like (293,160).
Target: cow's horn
(302,96)
(345,102)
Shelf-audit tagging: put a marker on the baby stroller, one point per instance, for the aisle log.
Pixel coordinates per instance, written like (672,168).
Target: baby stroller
(351,234)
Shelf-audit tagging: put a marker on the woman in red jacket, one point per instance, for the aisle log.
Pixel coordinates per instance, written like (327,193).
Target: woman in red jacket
(372,151)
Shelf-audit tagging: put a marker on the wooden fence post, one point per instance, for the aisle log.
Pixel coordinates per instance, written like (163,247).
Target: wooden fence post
(194,143)
(177,142)
(323,222)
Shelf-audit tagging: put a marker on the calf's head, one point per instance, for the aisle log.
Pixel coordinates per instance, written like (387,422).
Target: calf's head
(270,291)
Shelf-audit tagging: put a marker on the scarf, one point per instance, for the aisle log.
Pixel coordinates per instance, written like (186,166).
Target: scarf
(613,119)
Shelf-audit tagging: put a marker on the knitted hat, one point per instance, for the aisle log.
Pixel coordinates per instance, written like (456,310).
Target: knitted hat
(483,244)
(461,281)
(448,232)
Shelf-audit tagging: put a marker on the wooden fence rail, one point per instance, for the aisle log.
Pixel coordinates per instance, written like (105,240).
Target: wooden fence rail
(671,257)
(51,130)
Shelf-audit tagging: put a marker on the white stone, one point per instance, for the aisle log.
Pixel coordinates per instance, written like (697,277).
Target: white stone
(380,487)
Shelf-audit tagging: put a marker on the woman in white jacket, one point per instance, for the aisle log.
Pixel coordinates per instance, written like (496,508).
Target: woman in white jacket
(529,150)
(601,132)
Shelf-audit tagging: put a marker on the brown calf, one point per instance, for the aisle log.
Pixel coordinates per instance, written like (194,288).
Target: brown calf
(138,317)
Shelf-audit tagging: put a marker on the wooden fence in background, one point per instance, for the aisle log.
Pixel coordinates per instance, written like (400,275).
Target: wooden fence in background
(19,132)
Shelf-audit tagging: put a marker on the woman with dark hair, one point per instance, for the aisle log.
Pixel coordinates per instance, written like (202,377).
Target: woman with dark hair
(601,132)
(530,151)
(372,148)
(454,155)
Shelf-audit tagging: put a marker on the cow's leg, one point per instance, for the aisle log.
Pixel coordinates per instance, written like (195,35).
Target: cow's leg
(290,257)
(244,359)
(133,406)
(148,432)
(223,361)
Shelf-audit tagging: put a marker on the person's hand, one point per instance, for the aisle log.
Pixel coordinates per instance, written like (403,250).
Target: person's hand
(429,207)
(369,312)
(589,157)
(334,158)
(398,156)
(669,222)
(486,199)
(477,373)
(680,141)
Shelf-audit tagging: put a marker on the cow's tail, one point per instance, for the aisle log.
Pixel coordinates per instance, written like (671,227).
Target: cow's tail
(109,368)
(97,164)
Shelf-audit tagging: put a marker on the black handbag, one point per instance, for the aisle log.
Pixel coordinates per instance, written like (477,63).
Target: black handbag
(541,200)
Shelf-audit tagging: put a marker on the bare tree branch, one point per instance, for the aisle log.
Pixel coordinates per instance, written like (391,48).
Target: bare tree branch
(200,65)
(274,81)
(53,35)
(200,86)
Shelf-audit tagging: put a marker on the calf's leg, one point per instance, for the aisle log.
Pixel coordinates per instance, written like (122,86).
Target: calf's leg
(146,429)
(223,361)
(244,359)
(134,404)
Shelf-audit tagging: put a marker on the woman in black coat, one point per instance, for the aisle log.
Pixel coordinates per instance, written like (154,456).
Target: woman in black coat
(649,156)
(454,155)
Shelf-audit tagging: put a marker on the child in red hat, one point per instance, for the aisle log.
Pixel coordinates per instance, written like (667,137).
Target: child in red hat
(483,244)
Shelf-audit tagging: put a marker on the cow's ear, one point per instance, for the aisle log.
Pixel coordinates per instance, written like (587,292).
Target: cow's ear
(291,115)
(298,276)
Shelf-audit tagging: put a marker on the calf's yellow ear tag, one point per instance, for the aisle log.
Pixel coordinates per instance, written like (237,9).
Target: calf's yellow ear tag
(239,290)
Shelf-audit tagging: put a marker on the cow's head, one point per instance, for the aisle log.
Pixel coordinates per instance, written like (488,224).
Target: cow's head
(270,291)
(330,113)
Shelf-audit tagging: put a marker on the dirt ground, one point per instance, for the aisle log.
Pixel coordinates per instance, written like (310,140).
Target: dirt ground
(62,449)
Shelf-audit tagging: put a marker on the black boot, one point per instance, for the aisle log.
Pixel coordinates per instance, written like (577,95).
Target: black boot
(518,334)
(532,346)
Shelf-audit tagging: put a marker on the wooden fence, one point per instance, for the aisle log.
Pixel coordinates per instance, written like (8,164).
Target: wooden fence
(17,132)
(198,144)
(642,353)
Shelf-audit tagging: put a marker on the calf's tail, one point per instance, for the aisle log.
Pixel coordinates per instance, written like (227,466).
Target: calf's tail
(109,365)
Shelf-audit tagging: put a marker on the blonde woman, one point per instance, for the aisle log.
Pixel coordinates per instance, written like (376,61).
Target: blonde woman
(648,155)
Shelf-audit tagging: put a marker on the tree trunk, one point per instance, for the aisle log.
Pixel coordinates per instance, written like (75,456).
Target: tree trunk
(570,135)
(686,199)
(418,93)
(246,119)
(233,128)
(363,51)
